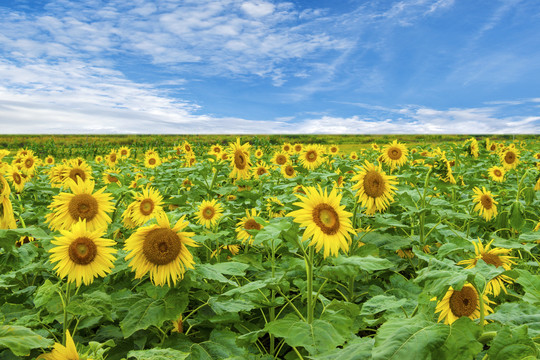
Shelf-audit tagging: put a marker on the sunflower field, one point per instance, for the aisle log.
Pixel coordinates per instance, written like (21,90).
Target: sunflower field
(251,250)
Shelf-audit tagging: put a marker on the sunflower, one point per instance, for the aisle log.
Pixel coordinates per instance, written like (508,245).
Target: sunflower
(186,146)
(333,149)
(4,153)
(49,160)
(288,171)
(259,153)
(29,163)
(16,178)
(161,250)
(146,205)
(124,152)
(239,157)
(152,160)
(216,150)
(110,176)
(187,184)
(74,169)
(485,205)
(112,158)
(375,188)
(25,240)
(280,158)
(327,223)
(83,203)
(298,148)
(509,158)
(274,206)
(209,213)
(260,169)
(496,173)
(247,223)
(82,254)
(61,352)
(395,154)
(375,147)
(287,148)
(7,218)
(537,185)
(471,147)
(312,156)
(98,158)
(353,155)
(458,303)
(497,257)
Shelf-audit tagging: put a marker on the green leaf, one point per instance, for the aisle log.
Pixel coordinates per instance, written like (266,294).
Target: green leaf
(216,271)
(367,263)
(409,339)
(224,305)
(318,337)
(45,293)
(520,313)
(381,303)
(512,343)
(158,354)
(462,342)
(147,312)
(357,349)
(517,215)
(20,340)
(531,284)
(9,236)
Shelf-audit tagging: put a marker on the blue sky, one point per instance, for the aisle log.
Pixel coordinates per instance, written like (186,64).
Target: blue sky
(262,66)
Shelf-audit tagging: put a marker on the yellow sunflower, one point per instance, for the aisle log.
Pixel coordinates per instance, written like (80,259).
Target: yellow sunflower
(161,251)
(98,158)
(209,213)
(312,156)
(124,152)
(259,153)
(287,147)
(297,148)
(49,160)
(496,173)
(112,158)
(280,158)
(458,303)
(353,155)
(240,162)
(537,185)
(152,160)
(4,153)
(485,205)
(110,176)
(61,352)
(260,169)
(274,206)
(247,223)
(288,171)
(395,154)
(7,218)
(74,169)
(375,189)
(509,158)
(16,178)
(333,149)
(146,205)
(83,203)
(497,257)
(327,223)
(82,254)
(29,163)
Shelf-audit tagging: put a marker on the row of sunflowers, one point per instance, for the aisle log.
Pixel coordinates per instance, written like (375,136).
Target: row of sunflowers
(263,252)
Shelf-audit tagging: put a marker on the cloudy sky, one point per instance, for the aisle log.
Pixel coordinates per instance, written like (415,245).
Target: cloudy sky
(269,66)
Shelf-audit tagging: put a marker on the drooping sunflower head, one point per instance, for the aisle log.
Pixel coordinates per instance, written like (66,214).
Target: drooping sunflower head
(111,176)
(274,207)
(240,162)
(496,173)
(82,204)
(209,213)
(471,147)
(485,204)
(375,189)
(248,222)
(327,223)
(458,303)
(497,257)
(312,156)
(394,154)
(82,254)
(161,251)
(509,158)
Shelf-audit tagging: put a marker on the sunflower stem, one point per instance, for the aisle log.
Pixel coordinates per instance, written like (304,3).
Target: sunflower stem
(273,308)
(21,210)
(309,273)
(422,213)
(65,304)
(481,300)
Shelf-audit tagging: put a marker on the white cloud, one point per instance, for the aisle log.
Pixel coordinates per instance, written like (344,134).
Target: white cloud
(257,8)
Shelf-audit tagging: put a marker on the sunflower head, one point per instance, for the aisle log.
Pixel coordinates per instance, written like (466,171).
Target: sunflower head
(485,204)
(61,352)
(496,173)
(458,303)
(209,213)
(394,154)
(312,156)
(509,158)
(375,189)
(240,162)
(248,222)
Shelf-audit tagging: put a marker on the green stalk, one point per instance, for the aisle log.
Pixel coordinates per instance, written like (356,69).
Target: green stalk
(422,214)
(273,293)
(309,273)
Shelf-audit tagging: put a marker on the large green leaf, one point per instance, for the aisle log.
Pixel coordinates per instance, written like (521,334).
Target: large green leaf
(158,354)
(413,339)
(462,342)
(147,312)
(20,340)
(512,343)
(531,284)
(45,293)
(357,349)
(381,303)
(318,337)
(217,271)
(518,313)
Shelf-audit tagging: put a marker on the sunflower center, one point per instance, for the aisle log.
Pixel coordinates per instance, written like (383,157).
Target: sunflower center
(82,251)
(510,157)
(17,178)
(217,150)
(492,259)
(83,206)
(112,178)
(333,149)
(188,148)
(152,161)
(286,148)
(146,207)
(208,212)
(49,160)
(394,153)
(497,172)
(28,163)
(486,201)
(326,218)
(240,159)
(298,148)
(251,224)
(463,303)
(112,157)
(261,171)
(311,156)
(123,152)
(492,147)
(289,170)
(374,184)
(77,173)
(161,246)
(280,159)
